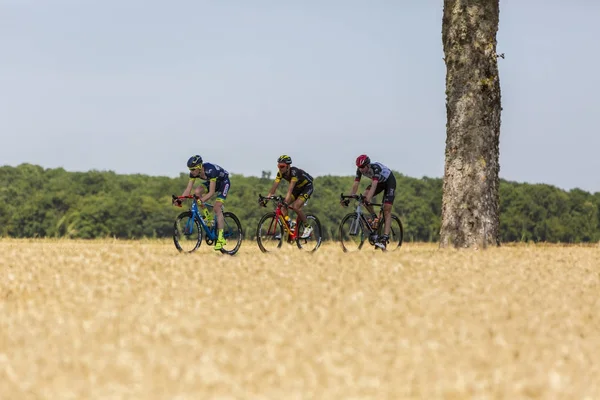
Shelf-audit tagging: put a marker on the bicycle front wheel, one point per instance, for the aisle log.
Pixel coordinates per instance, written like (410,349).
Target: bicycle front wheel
(309,234)
(269,233)
(352,235)
(232,233)
(187,233)
(396,233)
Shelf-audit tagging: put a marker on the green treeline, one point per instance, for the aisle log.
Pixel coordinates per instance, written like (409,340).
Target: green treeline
(38,202)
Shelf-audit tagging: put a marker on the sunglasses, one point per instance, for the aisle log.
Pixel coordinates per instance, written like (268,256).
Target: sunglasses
(280,166)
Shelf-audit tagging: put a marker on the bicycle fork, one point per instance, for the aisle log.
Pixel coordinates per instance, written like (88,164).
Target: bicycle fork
(355,226)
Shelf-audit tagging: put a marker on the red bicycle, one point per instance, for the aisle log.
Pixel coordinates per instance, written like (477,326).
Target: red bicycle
(273,228)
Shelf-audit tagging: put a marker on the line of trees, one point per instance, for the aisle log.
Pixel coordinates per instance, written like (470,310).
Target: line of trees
(38,202)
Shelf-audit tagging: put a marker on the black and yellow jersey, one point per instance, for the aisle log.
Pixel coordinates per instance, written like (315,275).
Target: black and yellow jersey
(295,174)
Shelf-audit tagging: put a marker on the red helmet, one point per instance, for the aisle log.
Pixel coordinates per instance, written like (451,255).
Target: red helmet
(362,160)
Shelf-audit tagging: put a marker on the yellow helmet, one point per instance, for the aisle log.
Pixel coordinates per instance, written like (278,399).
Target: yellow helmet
(284,159)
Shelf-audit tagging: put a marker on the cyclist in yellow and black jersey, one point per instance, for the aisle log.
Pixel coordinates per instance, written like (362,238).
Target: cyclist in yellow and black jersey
(299,190)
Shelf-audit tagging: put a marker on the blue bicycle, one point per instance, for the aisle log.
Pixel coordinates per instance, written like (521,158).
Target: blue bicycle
(191,227)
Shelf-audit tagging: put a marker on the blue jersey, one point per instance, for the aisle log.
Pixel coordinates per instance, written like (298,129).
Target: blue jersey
(213,172)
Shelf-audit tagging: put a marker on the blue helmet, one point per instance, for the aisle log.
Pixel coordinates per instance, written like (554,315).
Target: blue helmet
(194,162)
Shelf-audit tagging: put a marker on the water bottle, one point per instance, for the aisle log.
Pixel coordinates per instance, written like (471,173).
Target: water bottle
(207,216)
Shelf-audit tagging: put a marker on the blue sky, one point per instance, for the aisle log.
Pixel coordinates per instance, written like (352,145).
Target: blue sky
(138,86)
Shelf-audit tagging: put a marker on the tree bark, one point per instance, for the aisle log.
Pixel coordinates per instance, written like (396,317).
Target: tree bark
(470,214)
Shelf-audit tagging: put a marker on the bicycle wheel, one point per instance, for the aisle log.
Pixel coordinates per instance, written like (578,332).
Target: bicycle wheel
(269,233)
(396,233)
(352,233)
(232,233)
(187,233)
(309,242)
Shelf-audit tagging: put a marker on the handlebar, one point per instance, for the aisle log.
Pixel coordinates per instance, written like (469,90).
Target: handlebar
(277,198)
(178,199)
(191,196)
(358,197)
(351,196)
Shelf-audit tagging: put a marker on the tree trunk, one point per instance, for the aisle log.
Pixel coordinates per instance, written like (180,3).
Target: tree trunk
(470,199)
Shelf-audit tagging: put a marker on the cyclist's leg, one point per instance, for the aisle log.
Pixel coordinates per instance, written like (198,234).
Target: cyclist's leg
(284,210)
(388,200)
(380,187)
(222,192)
(368,206)
(218,208)
(301,195)
(201,189)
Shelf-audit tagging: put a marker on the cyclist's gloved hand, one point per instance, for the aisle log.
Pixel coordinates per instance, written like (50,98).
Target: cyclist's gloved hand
(177,202)
(262,203)
(345,202)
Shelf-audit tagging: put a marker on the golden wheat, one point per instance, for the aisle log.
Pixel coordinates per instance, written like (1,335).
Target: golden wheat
(136,320)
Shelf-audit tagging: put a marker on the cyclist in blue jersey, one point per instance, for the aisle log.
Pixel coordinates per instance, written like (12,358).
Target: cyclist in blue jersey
(299,191)
(215,181)
(383,180)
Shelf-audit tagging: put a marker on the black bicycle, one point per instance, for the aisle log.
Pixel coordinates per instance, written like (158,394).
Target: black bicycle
(356,227)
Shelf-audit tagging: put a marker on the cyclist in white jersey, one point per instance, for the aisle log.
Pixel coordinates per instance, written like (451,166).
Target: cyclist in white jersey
(383,180)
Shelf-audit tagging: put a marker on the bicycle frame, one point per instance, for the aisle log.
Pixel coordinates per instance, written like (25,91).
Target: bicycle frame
(355,224)
(211,234)
(356,227)
(293,234)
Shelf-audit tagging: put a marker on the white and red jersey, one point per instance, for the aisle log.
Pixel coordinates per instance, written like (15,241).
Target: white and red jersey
(376,172)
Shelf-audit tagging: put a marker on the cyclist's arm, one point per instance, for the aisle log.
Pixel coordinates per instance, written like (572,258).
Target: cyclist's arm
(273,188)
(369,195)
(212,186)
(355,187)
(377,176)
(189,187)
(356,182)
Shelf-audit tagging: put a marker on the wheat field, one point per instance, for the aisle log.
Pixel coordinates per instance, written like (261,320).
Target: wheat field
(113,319)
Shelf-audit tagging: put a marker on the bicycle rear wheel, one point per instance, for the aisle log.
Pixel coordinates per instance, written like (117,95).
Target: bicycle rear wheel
(396,233)
(187,233)
(269,233)
(309,242)
(232,233)
(351,234)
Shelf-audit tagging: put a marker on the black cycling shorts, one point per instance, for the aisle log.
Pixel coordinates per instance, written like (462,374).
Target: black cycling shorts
(305,192)
(388,187)
(222,189)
